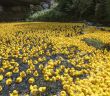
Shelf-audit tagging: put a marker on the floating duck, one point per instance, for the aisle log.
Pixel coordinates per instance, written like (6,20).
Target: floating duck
(22,74)
(19,79)
(63,93)
(42,89)
(2,70)
(1,88)
(16,70)
(14,93)
(1,77)
(31,80)
(36,73)
(9,81)
(28,71)
(8,74)
(41,66)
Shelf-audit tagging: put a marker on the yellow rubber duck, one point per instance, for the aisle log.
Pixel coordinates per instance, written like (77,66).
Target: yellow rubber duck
(42,89)
(14,93)
(9,81)
(28,71)
(41,66)
(58,77)
(33,89)
(10,67)
(19,79)
(63,93)
(8,74)
(1,88)
(46,77)
(22,74)
(16,70)
(1,77)
(34,92)
(36,73)
(35,62)
(2,70)
(39,59)
(31,80)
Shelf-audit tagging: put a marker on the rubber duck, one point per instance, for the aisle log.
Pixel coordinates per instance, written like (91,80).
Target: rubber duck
(1,77)
(9,81)
(31,80)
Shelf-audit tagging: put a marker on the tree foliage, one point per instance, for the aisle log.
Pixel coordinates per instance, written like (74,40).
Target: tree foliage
(93,10)
(85,9)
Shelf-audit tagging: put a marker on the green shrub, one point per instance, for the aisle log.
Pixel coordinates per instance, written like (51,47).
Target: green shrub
(94,42)
(107,46)
(48,15)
